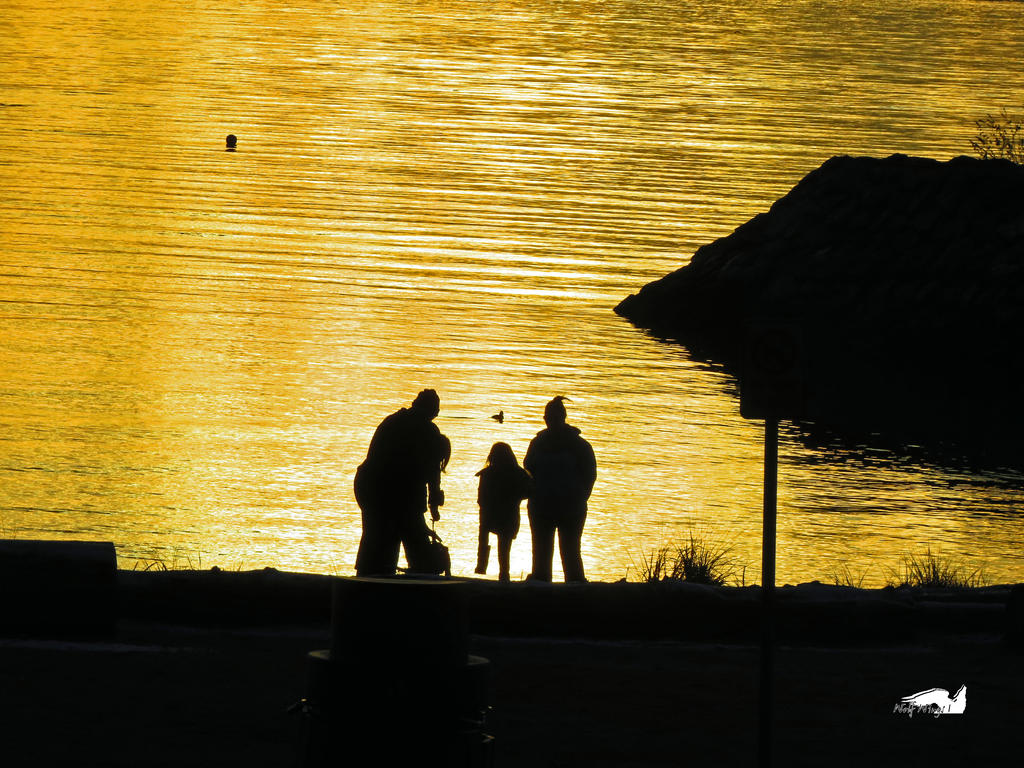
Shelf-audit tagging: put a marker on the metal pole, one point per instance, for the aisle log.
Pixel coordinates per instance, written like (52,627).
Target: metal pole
(771,471)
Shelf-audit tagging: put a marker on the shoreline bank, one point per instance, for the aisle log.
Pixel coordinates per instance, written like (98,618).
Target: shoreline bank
(808,614)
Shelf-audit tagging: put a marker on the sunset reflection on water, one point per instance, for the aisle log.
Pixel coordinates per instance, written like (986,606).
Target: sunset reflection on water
(198,344)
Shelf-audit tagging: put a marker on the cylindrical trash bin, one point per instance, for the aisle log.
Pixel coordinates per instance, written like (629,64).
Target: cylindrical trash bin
(335,732)
(422,619)
(397,685)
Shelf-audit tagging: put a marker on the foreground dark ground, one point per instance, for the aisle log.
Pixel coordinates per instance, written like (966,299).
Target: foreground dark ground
(193,690)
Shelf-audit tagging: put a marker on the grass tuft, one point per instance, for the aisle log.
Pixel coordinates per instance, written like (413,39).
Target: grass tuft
(180,561)
(1000,136)
(930,570)
(842,576)
(695,560)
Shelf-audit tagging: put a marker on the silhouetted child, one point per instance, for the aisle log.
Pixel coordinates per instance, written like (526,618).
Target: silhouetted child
(503,485)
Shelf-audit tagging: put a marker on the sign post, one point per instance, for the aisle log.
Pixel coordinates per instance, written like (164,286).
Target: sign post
(770,389)
(767,682)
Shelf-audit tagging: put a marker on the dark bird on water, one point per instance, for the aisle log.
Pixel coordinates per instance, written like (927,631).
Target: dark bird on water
(499,417)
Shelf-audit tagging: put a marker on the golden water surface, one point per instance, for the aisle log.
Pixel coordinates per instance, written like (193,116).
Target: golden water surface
(196,344)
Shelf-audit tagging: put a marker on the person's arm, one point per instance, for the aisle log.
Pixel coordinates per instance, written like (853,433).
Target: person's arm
(435,497)
(589,465)
(525,484)
(531,457)
(429,460)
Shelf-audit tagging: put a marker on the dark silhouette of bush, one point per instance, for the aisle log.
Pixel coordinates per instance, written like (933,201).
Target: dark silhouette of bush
(1000,137)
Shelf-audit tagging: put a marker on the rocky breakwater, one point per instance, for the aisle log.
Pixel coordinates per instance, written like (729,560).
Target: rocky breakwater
(902,278)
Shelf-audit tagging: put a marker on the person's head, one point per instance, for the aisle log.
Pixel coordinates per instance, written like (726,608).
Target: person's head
(501,455)
(428,403)
(554,412)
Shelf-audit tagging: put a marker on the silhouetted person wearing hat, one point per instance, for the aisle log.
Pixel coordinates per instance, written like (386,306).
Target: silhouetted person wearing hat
(400,478)
(563,467)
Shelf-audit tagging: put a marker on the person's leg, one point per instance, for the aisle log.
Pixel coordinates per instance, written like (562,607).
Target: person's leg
(379,544)
(416,541)
(378,549)
(570,533)
(389,553)
(542,533)
(364,560)
(483,550)
(504,552)
(416,546)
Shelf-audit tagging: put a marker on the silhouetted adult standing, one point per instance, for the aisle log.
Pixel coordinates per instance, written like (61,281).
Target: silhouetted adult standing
(563,467)
(399,479)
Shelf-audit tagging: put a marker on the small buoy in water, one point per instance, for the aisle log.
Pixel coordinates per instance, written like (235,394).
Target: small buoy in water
(499,417)
(232,142)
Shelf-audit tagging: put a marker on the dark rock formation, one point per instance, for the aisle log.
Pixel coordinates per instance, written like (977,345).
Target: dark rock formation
(904,278)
